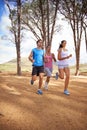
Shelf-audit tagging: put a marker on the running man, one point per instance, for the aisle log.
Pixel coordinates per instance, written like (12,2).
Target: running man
(37,58)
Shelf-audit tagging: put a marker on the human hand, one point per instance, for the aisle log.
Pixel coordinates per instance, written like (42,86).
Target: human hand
(69,56)
(32,60)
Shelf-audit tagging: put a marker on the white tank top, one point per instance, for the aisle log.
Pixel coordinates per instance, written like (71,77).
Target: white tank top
(65,61)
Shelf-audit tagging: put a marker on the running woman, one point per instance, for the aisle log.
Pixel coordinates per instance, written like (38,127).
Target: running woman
(63,65)
(48,65)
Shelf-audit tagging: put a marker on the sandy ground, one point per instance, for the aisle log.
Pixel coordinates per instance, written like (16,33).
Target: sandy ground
(22,109)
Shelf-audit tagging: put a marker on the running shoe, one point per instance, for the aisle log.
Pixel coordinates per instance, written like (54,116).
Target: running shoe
(56,77)
(32,82)
(66,92)
(39,92)
(46,86)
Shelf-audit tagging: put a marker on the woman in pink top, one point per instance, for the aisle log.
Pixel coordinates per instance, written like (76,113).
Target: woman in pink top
(48,65)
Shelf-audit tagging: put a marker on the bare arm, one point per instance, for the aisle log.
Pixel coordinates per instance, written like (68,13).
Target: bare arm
(62,58)
(30,57)
(53,56)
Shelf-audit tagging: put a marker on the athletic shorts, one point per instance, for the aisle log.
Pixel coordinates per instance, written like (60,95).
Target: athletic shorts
(36,70)
(48,71)
(63,66)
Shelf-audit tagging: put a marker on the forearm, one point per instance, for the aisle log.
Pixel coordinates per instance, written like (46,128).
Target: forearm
(55,59)
(63,58)
(53,56)
(30,58)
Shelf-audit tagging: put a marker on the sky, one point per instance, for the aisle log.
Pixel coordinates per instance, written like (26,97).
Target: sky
(8,50)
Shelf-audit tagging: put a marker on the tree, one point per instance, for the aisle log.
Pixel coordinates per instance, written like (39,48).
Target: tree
(84,11)
(39,16)
(15,16)
(72,10)
(85,31)
(18,43)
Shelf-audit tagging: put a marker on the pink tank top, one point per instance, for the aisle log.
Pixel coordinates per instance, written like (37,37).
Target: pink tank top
(49,61)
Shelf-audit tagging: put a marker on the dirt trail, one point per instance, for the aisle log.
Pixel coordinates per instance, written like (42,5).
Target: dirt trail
(22,109)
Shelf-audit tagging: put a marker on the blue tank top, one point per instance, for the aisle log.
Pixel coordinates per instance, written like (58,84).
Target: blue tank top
(38,55)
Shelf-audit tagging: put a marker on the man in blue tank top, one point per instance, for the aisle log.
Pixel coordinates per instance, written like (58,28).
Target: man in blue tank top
(37,58)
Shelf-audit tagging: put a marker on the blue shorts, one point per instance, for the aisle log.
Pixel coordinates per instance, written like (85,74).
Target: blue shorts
(48,71)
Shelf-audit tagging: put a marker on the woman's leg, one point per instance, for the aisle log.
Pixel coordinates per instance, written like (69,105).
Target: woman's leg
(48,79)
(67,73)
(48,73)
(61,73)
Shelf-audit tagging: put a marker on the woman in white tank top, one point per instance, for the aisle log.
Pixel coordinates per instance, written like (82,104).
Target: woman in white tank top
(63,65)
(64,62)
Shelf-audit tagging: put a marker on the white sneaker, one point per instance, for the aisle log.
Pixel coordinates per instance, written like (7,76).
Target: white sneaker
(66,92)
(46,86)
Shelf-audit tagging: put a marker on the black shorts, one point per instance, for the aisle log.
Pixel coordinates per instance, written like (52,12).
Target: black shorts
(36,70)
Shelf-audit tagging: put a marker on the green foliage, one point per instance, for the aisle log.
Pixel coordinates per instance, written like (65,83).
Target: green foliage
(35,17)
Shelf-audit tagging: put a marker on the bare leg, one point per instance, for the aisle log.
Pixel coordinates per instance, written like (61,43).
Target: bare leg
(34,77)
(40,80)
(61,73)
(67,73)
(47,79)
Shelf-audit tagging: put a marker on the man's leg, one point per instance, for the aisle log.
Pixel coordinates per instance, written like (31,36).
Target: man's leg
(40,80)
(41,74)
(34,75)
(40,84)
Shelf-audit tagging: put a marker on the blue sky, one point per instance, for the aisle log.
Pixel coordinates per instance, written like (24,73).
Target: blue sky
(8,50)
(1,7)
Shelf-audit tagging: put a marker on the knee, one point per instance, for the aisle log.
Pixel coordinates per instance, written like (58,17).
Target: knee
(41,77)
(67,76)
(34,78)
(62,77)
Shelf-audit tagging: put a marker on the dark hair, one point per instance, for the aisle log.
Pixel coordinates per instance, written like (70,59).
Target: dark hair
(48,46)
(61,44)
(38,40)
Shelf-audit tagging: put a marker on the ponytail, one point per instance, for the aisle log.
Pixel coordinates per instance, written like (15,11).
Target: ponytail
(61,46)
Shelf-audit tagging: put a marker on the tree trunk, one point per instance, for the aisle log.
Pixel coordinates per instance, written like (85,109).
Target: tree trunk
(54,21)
(43,23)
(77,43)
(77,61)
(18,43)
(48,42)
(85,37)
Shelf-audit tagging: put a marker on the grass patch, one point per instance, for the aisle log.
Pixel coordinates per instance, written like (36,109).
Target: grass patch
(26,66)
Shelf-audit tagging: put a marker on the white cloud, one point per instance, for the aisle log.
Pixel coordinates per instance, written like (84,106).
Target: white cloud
(27,44)
(8,50)
(5,21)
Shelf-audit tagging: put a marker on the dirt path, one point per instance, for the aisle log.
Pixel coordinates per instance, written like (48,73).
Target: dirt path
(22,109)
